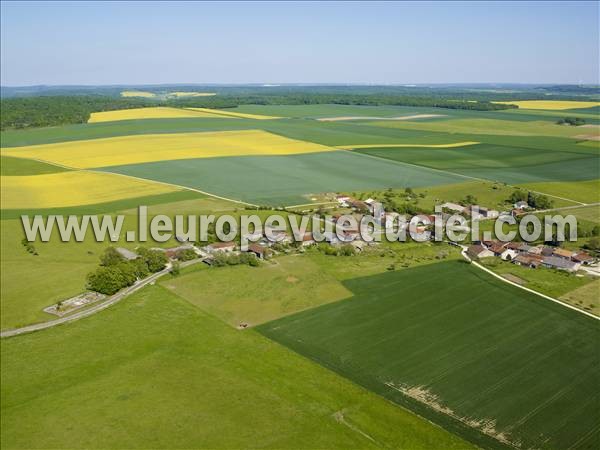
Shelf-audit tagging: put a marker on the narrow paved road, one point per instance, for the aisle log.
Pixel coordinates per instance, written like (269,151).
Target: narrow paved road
(94,309)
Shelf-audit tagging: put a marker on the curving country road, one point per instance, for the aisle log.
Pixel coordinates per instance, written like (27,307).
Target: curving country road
(96,308)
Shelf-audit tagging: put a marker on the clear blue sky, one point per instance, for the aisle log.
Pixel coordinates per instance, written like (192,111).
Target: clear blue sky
(138,43)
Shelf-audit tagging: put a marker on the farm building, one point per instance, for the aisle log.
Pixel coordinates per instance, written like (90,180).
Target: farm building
(521,205)
(555,262)
(479,251)
(583,258)
(216,247)
(563,253)
(508,254)
(127,254)
(532,261)
(260,251)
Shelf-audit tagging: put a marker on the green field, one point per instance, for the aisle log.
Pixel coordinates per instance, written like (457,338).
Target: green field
(582,191)
(297,281)
(482,358)
(285,180)
(10,166)
(504,163)
(154,372)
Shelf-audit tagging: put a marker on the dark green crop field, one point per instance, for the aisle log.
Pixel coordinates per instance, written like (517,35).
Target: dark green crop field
(484,359)
(505,163)
(286,180)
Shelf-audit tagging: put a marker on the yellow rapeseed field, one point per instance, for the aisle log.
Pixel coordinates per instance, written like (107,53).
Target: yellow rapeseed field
(163,147)
(452,145)
(75,188)
(229,113)
(137,94)
(556,105)
(159,112)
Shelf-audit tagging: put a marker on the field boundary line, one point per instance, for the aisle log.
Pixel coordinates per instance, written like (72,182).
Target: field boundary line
(469,177)
(187,188)
(547,297)
(96,308)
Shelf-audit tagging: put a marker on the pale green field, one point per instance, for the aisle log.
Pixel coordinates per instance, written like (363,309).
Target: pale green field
(582,191)
(554,283)
(587,295)
(591,213)
(254,295)
(488,126)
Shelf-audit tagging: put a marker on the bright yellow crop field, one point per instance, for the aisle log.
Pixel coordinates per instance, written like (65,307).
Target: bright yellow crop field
(451,145)
(75,188)
(159,112)
(228,113)
(551,104)
(163,147)
(137,94)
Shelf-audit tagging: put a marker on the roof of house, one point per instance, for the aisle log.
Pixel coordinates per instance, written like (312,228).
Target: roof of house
(582,257)
(559,263)
(528,259)
(476,249)
(562,252)
(127,254)
(547,250)
(537,250)
(256,248)
(497,247)
(222,244)
(524,247)
(513,245)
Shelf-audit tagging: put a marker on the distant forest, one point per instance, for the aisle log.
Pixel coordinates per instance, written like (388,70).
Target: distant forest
(43,111)
(42,106)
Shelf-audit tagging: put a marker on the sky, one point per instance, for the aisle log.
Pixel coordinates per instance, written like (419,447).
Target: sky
(96,43)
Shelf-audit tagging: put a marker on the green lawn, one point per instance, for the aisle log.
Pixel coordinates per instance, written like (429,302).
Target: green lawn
(155,372)
(485,359)
(285,180)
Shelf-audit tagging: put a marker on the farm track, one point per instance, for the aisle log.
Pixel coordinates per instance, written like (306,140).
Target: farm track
(547,297)
(96,308)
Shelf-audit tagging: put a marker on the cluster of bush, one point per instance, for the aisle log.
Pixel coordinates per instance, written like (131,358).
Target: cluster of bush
(29,247)
(116,272)
(537,201)
(186,254)
(338,250)
(232,259)
(574,121)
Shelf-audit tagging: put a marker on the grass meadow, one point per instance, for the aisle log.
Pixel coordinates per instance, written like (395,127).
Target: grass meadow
(155,372)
